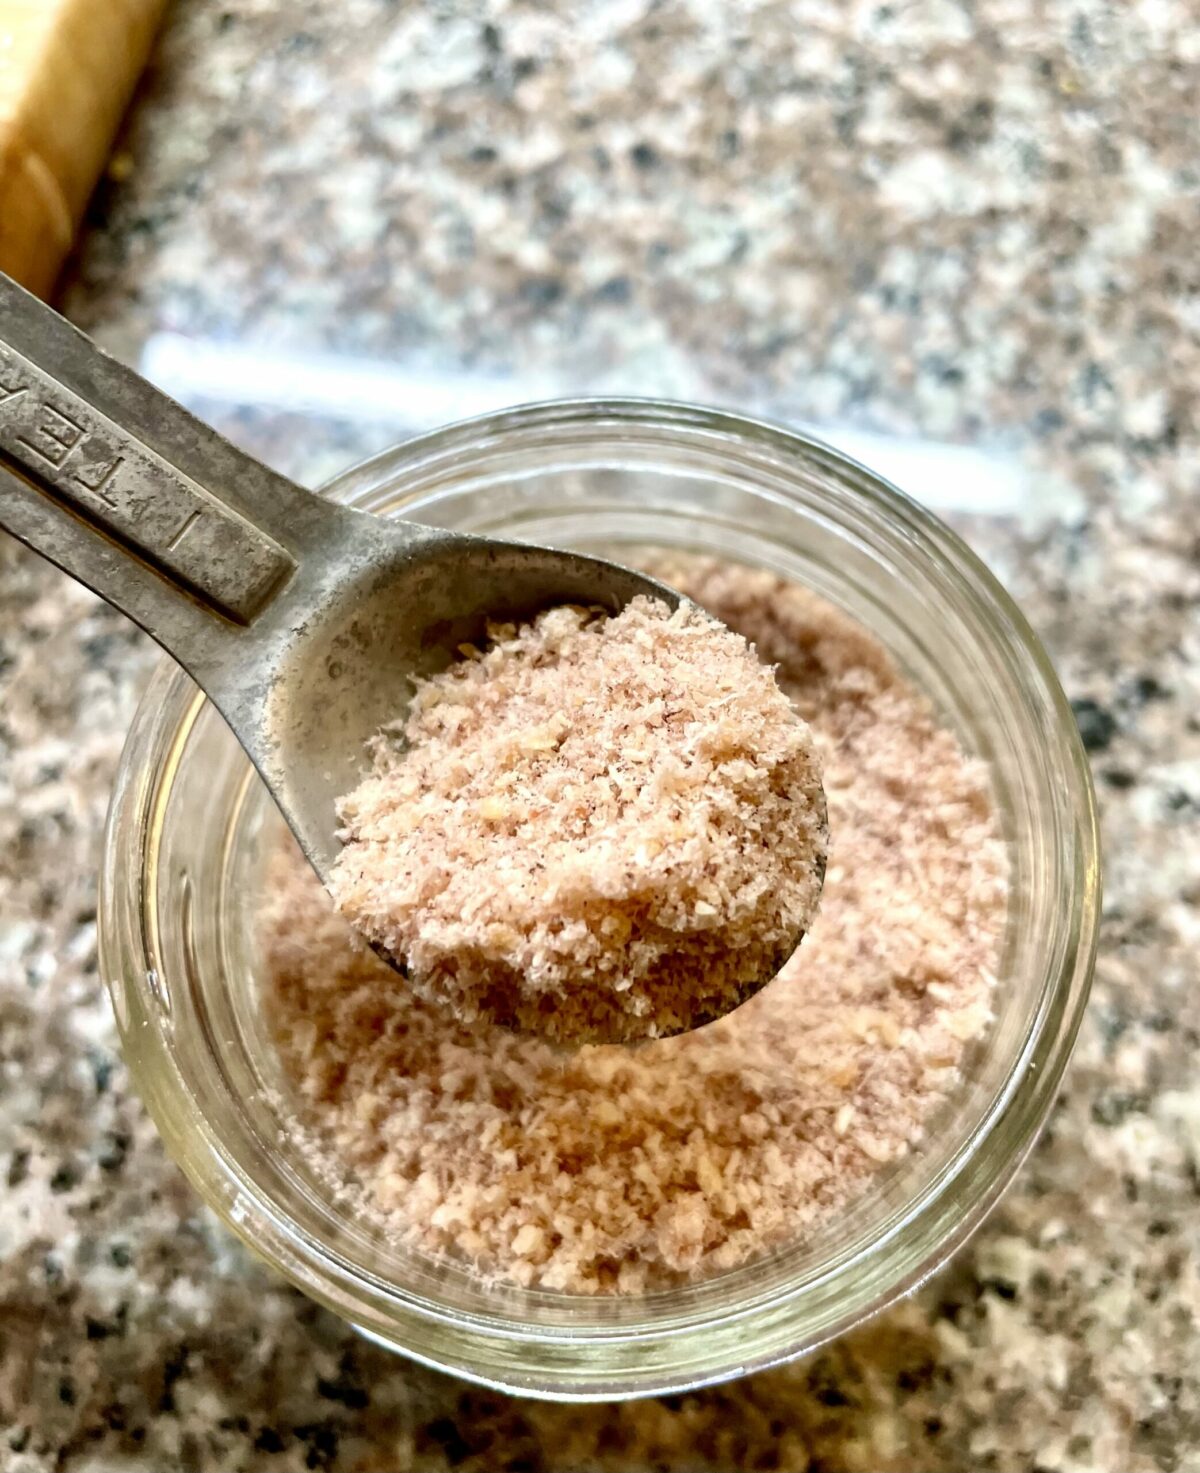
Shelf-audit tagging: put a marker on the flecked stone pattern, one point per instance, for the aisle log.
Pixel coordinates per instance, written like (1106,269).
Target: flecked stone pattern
(972,223)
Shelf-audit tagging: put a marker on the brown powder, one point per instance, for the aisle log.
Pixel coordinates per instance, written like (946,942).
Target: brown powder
(618,1170)
(595,828)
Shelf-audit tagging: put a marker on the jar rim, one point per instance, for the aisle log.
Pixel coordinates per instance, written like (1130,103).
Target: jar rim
(596,1363)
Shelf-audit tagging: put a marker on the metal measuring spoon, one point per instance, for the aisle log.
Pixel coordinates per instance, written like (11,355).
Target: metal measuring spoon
(302,620)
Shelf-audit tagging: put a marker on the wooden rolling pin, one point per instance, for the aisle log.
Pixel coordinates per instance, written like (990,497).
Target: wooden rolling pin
(67,71)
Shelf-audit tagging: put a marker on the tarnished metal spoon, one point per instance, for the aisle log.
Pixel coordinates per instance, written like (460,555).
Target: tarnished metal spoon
(302,620)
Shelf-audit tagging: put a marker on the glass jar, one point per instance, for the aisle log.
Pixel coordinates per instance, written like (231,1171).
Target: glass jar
(189,823)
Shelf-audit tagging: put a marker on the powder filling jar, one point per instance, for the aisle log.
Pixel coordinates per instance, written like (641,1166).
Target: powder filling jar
(190,822)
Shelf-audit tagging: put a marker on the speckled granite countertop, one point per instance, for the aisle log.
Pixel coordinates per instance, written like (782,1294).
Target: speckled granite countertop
(970,223)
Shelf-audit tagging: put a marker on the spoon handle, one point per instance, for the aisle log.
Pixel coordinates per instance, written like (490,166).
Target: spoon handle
(122,488)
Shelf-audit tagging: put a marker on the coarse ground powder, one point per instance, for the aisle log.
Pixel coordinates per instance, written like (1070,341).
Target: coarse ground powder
(625,1170)
(594,829)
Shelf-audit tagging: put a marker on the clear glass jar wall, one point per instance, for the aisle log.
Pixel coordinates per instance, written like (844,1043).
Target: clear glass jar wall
(190,822)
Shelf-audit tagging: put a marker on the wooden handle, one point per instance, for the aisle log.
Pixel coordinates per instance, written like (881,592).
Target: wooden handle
(67,71)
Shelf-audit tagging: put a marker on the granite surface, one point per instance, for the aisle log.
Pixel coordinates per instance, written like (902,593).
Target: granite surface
(965,223)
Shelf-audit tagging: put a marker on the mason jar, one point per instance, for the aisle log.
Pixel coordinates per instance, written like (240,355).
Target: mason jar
(190,827)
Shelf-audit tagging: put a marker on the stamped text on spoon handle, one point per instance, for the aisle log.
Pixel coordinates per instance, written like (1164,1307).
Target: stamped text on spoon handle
(69,451)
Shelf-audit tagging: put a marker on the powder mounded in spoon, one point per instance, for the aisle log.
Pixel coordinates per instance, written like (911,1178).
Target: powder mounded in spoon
(594,827)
